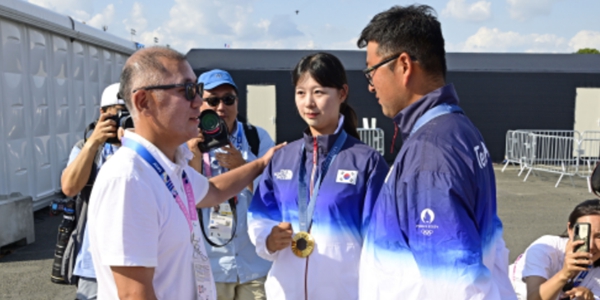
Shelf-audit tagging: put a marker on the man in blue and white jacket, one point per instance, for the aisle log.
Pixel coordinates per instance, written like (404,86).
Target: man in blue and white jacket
(434,232)
(238,271)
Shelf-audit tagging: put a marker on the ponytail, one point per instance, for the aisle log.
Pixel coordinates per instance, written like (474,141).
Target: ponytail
(350,120)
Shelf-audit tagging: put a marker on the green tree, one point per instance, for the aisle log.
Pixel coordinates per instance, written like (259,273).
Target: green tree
(588,51)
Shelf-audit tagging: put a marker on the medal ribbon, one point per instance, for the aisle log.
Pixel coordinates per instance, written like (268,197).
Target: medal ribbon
(190,214)
(306,210)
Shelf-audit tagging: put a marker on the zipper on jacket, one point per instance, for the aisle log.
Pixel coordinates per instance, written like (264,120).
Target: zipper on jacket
(306,279)
(312,182)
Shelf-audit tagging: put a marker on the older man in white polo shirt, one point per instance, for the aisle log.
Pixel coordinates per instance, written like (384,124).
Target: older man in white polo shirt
(144,232)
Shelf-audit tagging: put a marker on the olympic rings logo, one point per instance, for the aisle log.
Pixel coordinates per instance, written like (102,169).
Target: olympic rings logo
(427,232)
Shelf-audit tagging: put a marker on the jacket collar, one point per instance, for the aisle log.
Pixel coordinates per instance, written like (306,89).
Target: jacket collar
(406,118)
(324,142)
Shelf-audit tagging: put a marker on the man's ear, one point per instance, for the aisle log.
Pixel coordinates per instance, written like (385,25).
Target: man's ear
(406,66)
(140,101)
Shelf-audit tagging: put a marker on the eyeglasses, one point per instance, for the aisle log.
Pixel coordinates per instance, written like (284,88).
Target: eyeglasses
(369,71)
(227,100)
(191,89)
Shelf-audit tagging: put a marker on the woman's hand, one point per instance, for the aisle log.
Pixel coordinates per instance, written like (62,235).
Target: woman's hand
(580,293)
(280,237)
(575,262)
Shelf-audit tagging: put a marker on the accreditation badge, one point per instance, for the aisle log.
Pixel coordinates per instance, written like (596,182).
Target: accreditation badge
(204,282)
(221,221)
(303,244)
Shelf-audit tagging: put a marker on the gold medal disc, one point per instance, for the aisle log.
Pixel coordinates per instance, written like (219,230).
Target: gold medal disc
(303,244)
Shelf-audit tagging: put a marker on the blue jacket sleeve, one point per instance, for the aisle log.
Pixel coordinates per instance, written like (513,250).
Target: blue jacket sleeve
(377,174)
(263,214)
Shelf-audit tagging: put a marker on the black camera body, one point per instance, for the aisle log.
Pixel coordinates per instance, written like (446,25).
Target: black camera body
(123,119)
(214,130)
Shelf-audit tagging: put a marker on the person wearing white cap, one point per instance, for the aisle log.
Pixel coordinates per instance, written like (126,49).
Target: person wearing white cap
(86,159)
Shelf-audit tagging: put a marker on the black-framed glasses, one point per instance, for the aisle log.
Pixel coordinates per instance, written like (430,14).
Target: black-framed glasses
(227,100)
(191,89)
(369,71)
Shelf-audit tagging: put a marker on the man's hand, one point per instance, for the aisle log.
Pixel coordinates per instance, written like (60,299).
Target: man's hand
(280,237)
(265,159)
(231,159)
(104,130)
(192,144)
(580,293)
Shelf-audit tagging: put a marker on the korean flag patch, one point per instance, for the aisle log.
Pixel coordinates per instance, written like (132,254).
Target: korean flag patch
(346,176)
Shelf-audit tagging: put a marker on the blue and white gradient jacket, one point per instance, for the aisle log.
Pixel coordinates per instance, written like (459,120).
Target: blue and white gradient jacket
(434,232)
(341,215)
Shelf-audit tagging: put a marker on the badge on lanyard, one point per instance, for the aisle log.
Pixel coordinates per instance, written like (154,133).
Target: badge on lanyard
(221,221)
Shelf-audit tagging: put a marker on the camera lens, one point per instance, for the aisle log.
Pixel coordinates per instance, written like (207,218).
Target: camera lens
(209,122)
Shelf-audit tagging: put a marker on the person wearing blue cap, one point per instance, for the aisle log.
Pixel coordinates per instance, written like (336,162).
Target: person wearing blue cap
(238,271)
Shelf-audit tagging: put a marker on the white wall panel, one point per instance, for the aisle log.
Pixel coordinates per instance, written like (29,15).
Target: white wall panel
(78,88)
(93,84)
(17,126)
(61,74)
(45,180)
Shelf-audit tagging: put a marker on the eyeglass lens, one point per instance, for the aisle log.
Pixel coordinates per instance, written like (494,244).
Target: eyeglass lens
(227,100)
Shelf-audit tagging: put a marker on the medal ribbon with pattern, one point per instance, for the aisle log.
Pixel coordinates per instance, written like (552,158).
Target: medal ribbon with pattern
(303,243)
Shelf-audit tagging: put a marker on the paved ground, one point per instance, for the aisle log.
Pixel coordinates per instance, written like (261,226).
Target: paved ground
(528,210)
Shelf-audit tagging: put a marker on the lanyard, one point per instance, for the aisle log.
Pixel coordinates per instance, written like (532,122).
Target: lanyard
(435,112)
(239,138)
(190,214)
(579,279)
(306,210)
(107,151)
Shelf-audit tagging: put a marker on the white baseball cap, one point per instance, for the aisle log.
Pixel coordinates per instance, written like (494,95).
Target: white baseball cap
(110,96)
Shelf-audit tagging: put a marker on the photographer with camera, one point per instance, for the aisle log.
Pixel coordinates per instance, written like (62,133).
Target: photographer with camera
(86,159)
(238,271)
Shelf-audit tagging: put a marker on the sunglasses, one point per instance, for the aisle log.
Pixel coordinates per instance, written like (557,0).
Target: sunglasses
(191,89)
(227,100)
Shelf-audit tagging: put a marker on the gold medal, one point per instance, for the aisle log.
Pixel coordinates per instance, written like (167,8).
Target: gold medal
(303,244)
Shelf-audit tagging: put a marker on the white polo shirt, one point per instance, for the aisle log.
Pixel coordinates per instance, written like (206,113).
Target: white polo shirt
(135,221)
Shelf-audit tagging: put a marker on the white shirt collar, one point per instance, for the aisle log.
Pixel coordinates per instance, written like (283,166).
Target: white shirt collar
(340,124)
(182,155)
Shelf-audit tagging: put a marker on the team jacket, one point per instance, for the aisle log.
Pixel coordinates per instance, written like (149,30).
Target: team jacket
(434,231)
(342,212)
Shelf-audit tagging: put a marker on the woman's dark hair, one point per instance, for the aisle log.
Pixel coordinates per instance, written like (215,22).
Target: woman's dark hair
(328,71)
(585,208)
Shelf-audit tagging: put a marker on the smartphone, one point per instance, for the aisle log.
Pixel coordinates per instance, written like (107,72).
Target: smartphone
(582,231)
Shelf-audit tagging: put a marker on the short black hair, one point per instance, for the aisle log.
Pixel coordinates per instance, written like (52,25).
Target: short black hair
(412,29)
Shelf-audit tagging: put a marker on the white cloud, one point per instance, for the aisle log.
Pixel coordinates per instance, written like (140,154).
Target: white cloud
(523,10)
(136,19)
(585,39)
(461,10)
(494,40)
(103,19)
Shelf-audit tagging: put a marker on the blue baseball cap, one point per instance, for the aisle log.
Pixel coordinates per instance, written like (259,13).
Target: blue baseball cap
(215,78)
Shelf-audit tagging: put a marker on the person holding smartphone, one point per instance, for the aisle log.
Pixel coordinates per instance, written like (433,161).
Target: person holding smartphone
(558,267)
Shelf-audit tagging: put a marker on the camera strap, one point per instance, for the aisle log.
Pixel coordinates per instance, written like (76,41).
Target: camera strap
(232,205)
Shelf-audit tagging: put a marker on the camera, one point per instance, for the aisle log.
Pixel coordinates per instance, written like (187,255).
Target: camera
(214,130)
(123,119)
(67,208)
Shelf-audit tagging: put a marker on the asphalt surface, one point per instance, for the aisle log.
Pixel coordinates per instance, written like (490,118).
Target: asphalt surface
(527,209)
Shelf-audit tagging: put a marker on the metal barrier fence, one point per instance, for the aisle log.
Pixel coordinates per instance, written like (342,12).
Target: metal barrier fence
(563,152)
(372,137)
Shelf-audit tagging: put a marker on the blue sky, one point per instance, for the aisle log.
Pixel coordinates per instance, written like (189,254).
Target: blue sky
(545,26)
